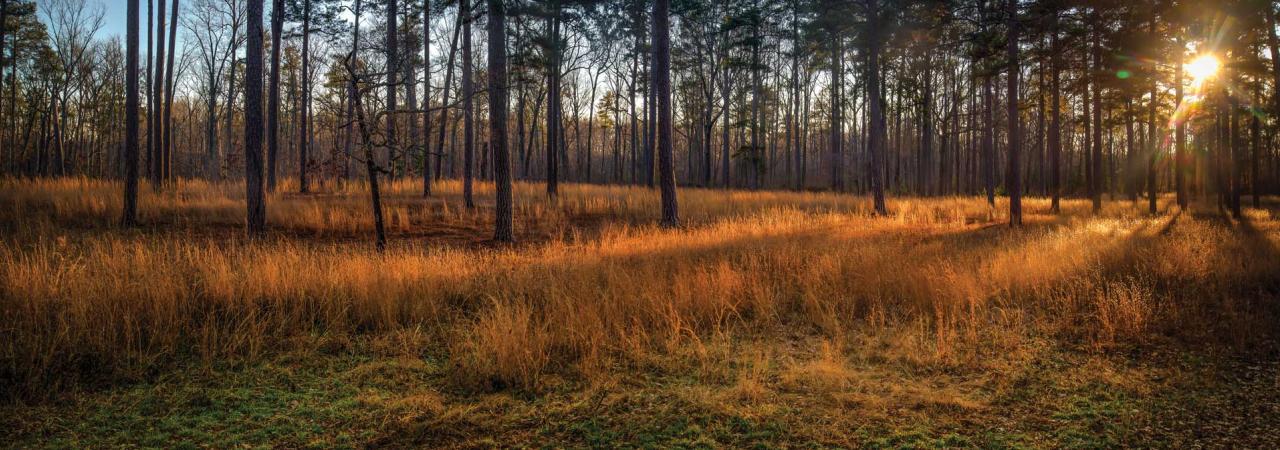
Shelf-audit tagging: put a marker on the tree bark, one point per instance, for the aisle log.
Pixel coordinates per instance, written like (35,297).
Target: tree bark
(273,93)
(1014,183)
(988,139)
(426,97)
(410,96)
(304,134)
(151,98)
(155,125)
(1153,145)
(726,175)
(166,159)
(352,90)
(553,101)
(228,138)
(1095,190)
(1255,145)
(256,217)
(876,109)
(1180,134)
(393,81)
(468,115)
(130,213)
(837,119)
(662,82)
(498,121)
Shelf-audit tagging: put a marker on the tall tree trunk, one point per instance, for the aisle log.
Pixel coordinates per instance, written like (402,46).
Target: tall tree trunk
(167,141)
(988,139)
(754,155)
(650,111)
(591,122)
(803,144)
(371,166)
(445,90)
(1086,103)
(352,90)
(498,121)
(553,102)
(273,93)
(155,125)
(410,95)
(393,81)
(708,117)
(1014,183)
(13,96)
(304,134)
(211,130)
(426,97)
(662,86)
(1255,145)
(923,185)
(1274,44)
(150,81)
(1095,190)
(837,119)
(256,218)
(726,171)
(615,175)
(1180,133)
(521,90)
(468,115)
(1152,149)
(527,164)
(130,213)
(1233,155)
(876,109)
(228,138)
(10,153)
(1131,174)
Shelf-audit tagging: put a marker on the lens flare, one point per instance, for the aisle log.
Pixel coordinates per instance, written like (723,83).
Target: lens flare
(1203,68)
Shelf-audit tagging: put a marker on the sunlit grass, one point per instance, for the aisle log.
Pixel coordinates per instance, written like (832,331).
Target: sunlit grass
(940,282)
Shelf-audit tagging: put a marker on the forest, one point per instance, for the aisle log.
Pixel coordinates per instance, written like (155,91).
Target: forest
(639,223)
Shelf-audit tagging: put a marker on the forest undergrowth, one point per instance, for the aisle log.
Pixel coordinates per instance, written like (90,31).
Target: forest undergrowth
(769,318)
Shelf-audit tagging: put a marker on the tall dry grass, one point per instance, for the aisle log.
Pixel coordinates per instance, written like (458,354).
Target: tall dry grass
(938,282)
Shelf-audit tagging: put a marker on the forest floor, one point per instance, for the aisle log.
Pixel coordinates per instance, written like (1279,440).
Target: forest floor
(770,319)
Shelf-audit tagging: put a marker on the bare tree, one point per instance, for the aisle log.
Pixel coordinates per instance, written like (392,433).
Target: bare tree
(236,12)
(209,27)
(354,81)
(72,25)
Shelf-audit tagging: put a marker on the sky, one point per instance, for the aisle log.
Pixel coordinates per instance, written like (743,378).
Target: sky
(113,23)
(114,20)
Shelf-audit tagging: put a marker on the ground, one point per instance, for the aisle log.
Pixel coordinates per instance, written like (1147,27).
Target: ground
(770,319)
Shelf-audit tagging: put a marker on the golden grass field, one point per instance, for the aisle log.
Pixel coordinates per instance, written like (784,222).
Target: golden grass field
(771,319)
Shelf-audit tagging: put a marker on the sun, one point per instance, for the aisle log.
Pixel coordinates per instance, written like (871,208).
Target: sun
(1203,68)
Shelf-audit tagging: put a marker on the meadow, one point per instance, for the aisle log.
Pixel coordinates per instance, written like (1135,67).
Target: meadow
(770,319)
